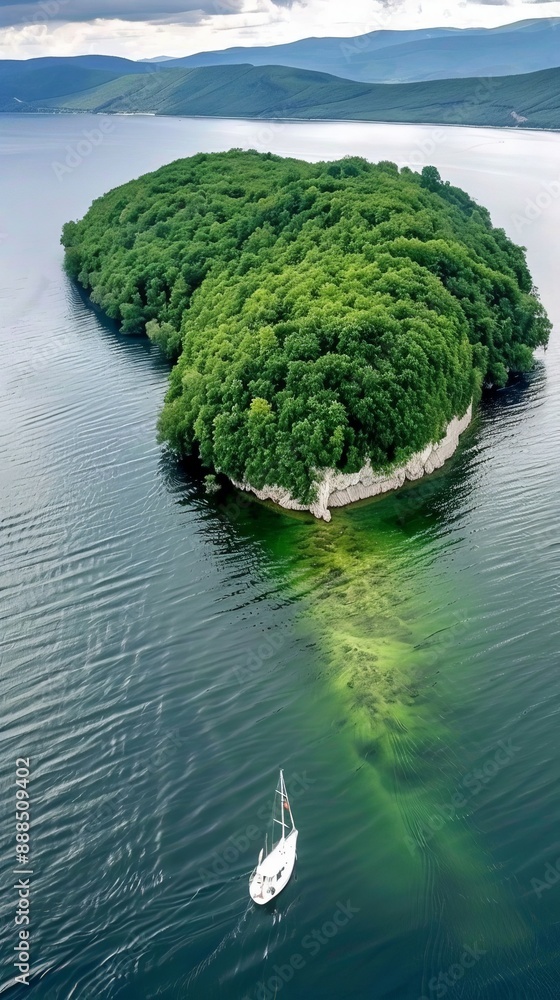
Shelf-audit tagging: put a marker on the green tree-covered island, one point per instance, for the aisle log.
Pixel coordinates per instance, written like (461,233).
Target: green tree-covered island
(328,323)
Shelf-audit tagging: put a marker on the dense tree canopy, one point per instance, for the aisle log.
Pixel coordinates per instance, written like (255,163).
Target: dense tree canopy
(318,314)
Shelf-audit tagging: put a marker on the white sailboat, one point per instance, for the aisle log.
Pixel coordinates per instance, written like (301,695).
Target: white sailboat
(274,868)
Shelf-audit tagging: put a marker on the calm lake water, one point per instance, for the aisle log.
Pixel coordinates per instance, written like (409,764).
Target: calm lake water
(163,652)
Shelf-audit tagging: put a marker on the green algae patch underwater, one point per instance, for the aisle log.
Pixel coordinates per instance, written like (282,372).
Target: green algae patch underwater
(382,633)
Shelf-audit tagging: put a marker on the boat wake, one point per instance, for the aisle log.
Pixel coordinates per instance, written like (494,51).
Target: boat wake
(231,935)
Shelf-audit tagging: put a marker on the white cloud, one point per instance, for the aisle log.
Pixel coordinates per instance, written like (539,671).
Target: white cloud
(258,22)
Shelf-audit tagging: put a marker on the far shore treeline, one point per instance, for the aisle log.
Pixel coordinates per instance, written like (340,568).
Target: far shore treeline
(317,315)
(107,85)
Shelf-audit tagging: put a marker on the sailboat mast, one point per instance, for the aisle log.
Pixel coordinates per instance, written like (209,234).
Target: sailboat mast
(282,797)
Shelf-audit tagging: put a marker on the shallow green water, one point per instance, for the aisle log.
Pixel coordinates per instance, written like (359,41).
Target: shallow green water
(163,652)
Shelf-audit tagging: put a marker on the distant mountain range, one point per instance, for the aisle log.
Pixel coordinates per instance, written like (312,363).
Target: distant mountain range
(531,100)
(478,84)
(407,56)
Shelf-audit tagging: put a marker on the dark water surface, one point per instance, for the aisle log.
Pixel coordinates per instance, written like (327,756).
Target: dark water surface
(163,652)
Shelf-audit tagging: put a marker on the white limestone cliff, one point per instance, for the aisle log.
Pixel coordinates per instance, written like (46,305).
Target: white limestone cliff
(337,490)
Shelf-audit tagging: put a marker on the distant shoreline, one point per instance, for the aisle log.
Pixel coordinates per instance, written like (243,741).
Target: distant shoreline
(291,121)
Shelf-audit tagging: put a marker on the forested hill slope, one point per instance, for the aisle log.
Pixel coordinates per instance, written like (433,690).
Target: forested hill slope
(322,314)
(277,92)
(25,81)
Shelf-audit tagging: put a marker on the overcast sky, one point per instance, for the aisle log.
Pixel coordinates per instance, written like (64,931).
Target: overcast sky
(145,28)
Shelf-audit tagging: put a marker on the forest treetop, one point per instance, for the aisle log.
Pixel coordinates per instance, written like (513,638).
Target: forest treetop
(318,315)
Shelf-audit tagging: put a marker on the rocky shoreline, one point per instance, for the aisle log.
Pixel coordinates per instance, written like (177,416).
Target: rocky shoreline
(339,490)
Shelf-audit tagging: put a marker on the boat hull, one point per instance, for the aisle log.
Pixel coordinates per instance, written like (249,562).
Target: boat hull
(274,872)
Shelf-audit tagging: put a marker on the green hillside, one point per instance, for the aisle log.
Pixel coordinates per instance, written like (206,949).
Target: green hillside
(280,92)
(26,82)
